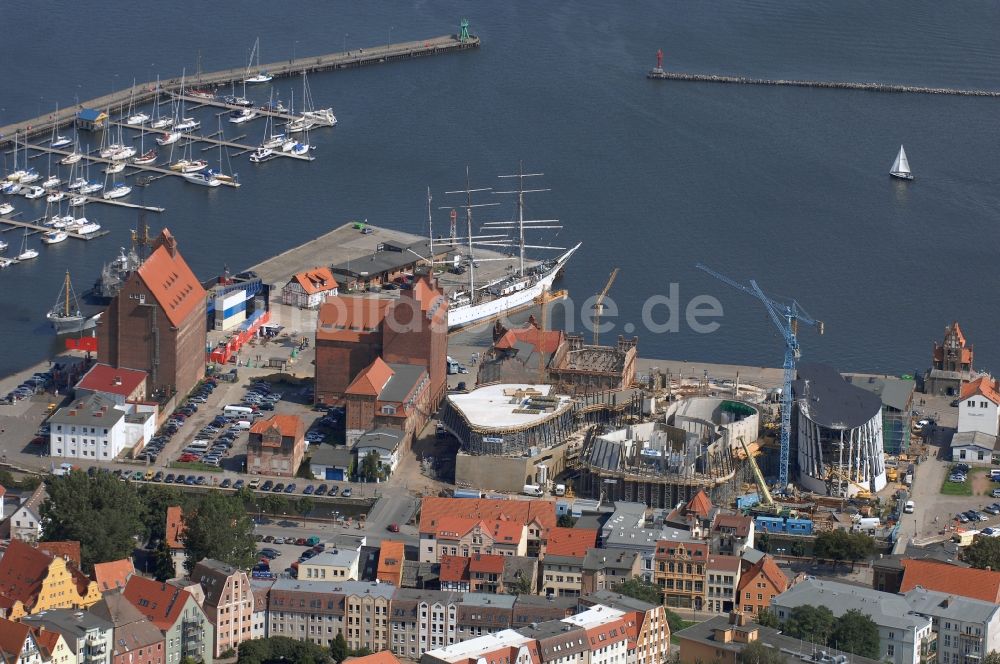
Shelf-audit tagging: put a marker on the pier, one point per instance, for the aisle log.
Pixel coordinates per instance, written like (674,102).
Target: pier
(662,74)
(143,93)
(215,142)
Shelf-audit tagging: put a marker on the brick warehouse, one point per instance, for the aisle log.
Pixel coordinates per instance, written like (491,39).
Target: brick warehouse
(156,323)
(351,332)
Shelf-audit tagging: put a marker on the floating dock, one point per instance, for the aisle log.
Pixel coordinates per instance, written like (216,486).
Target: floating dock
(119,102)
(662,74)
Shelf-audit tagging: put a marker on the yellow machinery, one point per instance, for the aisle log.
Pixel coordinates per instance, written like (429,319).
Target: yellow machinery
(863,492)
(599,304)
(765,494)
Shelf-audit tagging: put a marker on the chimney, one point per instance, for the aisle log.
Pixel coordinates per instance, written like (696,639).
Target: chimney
(117,380)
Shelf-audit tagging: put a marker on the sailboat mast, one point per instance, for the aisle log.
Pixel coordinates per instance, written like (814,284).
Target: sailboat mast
(520,212)
(66,306)
(468,219)
(430,228)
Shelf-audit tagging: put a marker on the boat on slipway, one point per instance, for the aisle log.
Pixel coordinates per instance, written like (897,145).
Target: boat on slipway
(66,316)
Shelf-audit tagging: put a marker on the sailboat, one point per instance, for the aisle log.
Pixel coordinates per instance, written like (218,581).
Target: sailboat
(320,116)
(118,189)
(165,121)
(901,167)
(73,156)
(53,180)
(26,253)
(139,118)
(65,316)
(261,76)
(6,208)
(16,175)
(58,141)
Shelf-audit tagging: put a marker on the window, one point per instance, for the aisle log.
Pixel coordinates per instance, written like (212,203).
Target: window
(971,403)
(890,650)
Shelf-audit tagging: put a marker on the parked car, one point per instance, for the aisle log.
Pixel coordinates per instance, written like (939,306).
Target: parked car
(308,491)
(279,487)
(321,490)
(393,527)
(238,484)
(267,485)
(290,488)
(346,493)
(962,518)
(989,509)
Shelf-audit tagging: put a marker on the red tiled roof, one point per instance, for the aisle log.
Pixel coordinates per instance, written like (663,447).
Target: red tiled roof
(347,318)
(372,379)
(983,385)
(573,542)
(161,603)
(114,574)
(12,637)
(382,657)
(767,568)
(170,280)
(739,523)
(317,280)
(67,550)
(722,563)
(486,562)
(964,581)
(175,527)
(699,505)
(22,570)
(47,640)
(433,509)
(503,531)
(105,378)
(289,425)
(546,342)
(633,622)
(454,569)
(391,555)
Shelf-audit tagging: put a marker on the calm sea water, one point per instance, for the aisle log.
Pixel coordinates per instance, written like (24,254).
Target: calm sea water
(788,186)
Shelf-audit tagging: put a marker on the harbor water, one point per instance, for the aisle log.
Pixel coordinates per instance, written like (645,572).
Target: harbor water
(788,186)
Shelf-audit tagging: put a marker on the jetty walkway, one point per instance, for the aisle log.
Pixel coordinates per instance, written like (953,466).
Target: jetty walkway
(657,73)
(141,93)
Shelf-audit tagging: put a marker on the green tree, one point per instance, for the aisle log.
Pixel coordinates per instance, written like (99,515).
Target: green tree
(855,632)
(566,520)
(103,513)
(798,548)
(371,466)
(839,545)
(859,547)
(218,527)
(281,648)
(982,553)
(304,505)
(163,562)
(639,589)
(758,653)
(810,623)
(763,542)
(155,500)
(767,618)
(521,586)
(338,649)
(992,658)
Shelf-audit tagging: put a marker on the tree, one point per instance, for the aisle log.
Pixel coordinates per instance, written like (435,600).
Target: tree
(763,542)
(758,653)
(371,466)
(992,658)
(304,505)
(855,632)
(163,562)
(798,548)
(811,623)
(839,545)
(521,586)
(859,547)
(281,648)
(566,520)
(982,553)
(766,618)
(218,527)
(339,651)
(639,589)
(103,513)
(156,499)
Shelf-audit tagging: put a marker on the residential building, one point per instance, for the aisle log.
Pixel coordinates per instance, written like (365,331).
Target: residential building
(480,613)
(696,515)
(19,644)
(311,610)
(536,609)
(603,569)
(486,573)
(136,639)
(331,565)
(391,556)
(53,647)
(605,629)
(276,446)
(453,574)
(96,428)
(385,396)
(32,581)
(722,638)
(366,614)
(113,575)
(574,542)
(384,657)
(904,637)
(981,584)
(759,584)
(979,408)
(520,572)
(974,447)
(505,645)
(420,620)
(897,405)
(186,630)
(308,289)
(26,521)
(261,591)
(731,534)
(409,329)
(648,628)
(562,576)
(157,323)
(88,637)
(967,629)
(722,574)
(951,364)
(680,573)
(117,384)
(228,603)
(458,536)
(175,538)
(387,443)
(327,462)
(537,517)
(555,641)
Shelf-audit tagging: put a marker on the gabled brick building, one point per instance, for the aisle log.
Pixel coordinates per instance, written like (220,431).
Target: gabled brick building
(157,322)
(276,446)
(395,396)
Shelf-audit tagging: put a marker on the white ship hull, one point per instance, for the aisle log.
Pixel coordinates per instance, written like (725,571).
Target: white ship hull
(463,315)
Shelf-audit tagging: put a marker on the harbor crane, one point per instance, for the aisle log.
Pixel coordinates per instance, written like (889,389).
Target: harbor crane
(599,305)
(786,317)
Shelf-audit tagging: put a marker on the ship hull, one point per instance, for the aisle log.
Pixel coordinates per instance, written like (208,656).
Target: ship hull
(71,324)
(469,314)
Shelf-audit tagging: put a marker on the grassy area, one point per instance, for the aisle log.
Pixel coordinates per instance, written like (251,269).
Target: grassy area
(956,488)
(195,465)
(673,632)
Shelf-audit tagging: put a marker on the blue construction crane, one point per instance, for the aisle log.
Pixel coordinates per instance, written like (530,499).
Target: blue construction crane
(786,318)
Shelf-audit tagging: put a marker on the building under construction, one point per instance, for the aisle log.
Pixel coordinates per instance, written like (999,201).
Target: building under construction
(662,463)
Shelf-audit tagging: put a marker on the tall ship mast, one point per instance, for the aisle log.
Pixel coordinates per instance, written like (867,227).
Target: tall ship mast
(65,316)
(512,292)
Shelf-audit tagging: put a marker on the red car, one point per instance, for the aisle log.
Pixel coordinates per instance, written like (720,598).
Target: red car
(393,527)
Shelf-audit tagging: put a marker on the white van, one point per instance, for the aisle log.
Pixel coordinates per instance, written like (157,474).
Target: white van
(242,425)
(909,507)
(532,490)
(230,411)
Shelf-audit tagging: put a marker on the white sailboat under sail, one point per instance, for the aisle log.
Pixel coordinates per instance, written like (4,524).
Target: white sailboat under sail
(901,167)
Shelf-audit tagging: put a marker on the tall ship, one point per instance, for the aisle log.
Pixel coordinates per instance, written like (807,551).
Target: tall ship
(483,301)
(66,316)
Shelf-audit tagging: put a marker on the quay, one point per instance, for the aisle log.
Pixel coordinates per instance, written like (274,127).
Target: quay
(142,93)
(662,74)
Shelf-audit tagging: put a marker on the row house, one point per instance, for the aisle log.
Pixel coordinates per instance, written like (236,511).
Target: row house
(88,637)
(680,573)
(136,639)
(604,569)
(759,583)
(479,573)
(647,625)
(421,620)
(228,602)
(186,630)
(33,580)
(458,536)
(562,576)
(722,574)
(537,517)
